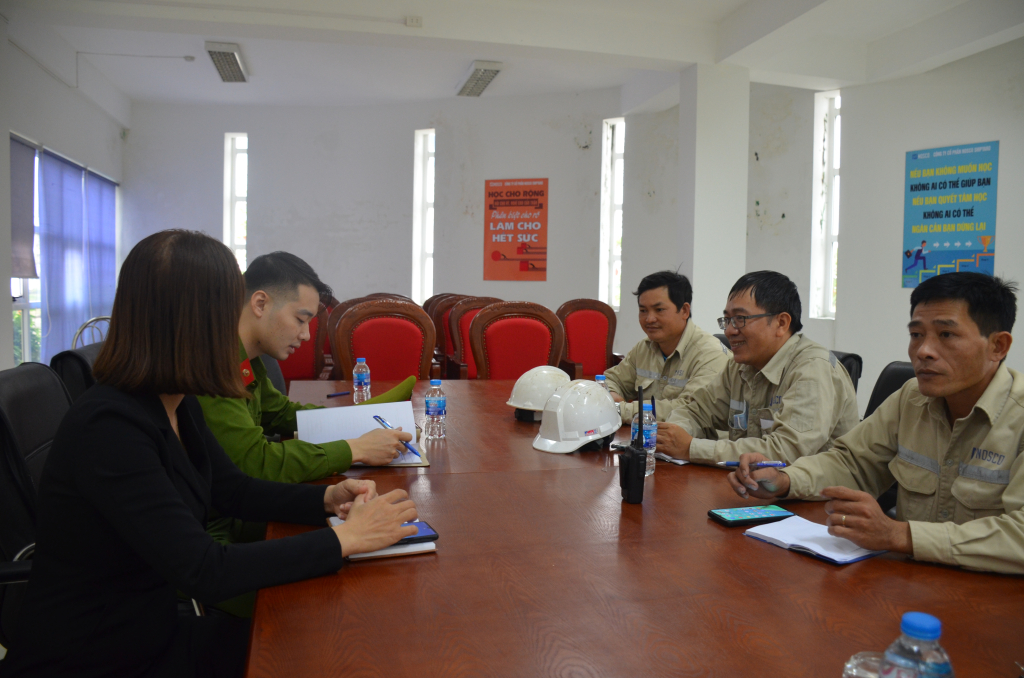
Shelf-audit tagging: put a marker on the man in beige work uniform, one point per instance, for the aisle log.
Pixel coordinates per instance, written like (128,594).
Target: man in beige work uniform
(783,395)
(676,358)
(951,438)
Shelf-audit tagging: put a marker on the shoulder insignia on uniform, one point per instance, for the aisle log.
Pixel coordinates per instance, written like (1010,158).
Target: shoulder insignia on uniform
(247,376)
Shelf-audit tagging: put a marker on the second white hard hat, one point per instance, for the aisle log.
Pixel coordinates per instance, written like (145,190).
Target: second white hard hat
(534,388)
(577,413)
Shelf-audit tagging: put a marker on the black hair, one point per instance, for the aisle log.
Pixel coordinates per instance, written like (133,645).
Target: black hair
(679,289)
(283,272)
(773,292)
(991,302)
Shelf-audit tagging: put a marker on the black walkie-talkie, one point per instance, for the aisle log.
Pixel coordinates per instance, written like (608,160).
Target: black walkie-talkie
(633,464)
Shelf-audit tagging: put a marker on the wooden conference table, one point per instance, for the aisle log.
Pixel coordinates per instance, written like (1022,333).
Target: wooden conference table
(541,570)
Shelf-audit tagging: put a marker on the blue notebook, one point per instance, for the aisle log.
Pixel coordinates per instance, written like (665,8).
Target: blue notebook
(797,534)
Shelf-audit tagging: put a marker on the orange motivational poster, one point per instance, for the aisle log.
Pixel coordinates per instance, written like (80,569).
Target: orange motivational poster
(516,229)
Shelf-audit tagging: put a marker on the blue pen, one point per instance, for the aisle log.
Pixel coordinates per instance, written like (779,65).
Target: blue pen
(339,393)
(384,422)
(760,464)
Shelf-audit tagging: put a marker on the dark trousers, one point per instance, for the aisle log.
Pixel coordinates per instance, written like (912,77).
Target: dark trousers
(207,647)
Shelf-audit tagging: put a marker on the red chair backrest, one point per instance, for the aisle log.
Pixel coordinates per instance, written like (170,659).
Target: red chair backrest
(589,333)
(308,360)
(512,337)
(459,319)
(396,338)
(440,316)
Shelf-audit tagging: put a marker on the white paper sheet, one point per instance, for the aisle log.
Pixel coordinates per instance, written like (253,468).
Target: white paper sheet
(800,534)
(343,423)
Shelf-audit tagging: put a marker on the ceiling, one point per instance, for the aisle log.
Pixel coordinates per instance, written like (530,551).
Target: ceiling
(353,52)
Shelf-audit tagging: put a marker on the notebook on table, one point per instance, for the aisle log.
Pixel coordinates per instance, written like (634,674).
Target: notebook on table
(797,534)
(390,551)
(341,423)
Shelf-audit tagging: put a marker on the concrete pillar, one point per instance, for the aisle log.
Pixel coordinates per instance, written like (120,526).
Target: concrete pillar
(714,127)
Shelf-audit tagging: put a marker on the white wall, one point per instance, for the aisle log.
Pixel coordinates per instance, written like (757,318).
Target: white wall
(334,185)
(650,211)
(47,111)
(779,182)
(980,98)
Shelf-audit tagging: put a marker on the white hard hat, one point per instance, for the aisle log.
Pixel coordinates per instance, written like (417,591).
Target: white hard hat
(576,414)
(534,388)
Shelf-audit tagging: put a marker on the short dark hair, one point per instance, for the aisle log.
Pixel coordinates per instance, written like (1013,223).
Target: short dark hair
(773,292)
(283,272)
(174,324)
(991,302)
(679,289)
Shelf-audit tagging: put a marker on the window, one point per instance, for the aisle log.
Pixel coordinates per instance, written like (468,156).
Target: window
(64,216)
(612,173)
(825,239)
(236,193)
(423,217)
(25,292)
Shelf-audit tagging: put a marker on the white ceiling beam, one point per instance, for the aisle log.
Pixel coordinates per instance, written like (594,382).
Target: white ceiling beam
(755,21)
(617,32)
(956,33)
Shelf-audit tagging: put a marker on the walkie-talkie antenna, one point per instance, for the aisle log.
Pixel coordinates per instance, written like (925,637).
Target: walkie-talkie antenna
(638,442)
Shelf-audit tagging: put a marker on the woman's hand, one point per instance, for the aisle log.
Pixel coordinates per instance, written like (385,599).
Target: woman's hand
(376,523)
(338,498)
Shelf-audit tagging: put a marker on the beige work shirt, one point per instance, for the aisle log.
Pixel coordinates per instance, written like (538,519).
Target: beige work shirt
(961,487)
(697,358)
(797,405)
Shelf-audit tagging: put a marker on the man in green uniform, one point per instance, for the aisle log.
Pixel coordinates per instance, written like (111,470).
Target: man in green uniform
(676,358)
(783,395)
(283,295)
(952,439)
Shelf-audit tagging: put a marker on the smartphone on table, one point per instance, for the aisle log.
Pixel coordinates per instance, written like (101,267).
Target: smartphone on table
(749,515)
(424,533)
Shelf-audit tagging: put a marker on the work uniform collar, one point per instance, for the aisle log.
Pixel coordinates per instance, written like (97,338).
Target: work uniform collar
(247,367)
(777,365)
(684,342)
(991,402)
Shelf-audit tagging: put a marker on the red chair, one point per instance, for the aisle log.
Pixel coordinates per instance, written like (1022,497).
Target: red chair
(396,338)
(439,315)
(512,337)
(428,305)
(308,360)
(460,364)
(589,336)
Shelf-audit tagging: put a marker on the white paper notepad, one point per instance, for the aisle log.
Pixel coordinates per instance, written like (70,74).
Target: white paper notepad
(344,423)
(797,534)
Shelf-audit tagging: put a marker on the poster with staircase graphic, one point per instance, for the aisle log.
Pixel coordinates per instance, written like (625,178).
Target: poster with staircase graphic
(949,211)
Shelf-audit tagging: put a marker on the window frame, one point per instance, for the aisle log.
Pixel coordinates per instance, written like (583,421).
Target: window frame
(423,214)
(612,187)
(827,199)
(232,149)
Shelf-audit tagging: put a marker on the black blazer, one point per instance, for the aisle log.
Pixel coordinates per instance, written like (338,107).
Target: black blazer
(121,526)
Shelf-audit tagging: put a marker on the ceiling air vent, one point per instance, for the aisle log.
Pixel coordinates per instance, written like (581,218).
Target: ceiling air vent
(479,78)
(227,58)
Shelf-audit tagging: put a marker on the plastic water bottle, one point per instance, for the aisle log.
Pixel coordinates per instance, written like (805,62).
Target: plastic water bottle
(650,436)
(360,381)
(437,408)
(916,653)
(601,380)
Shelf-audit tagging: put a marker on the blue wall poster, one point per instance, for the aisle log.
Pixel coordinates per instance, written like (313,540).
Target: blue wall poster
(949,211)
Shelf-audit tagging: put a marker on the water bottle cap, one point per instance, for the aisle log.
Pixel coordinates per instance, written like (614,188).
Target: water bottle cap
(921,625)
(648,407)
(599,377)
(435,382)
(360,360)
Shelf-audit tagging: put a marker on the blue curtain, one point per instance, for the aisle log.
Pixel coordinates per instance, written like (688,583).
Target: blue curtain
(101,242)
(77,244)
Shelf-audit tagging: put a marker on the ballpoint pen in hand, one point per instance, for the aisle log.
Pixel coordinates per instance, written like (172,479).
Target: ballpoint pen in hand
(384,422)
